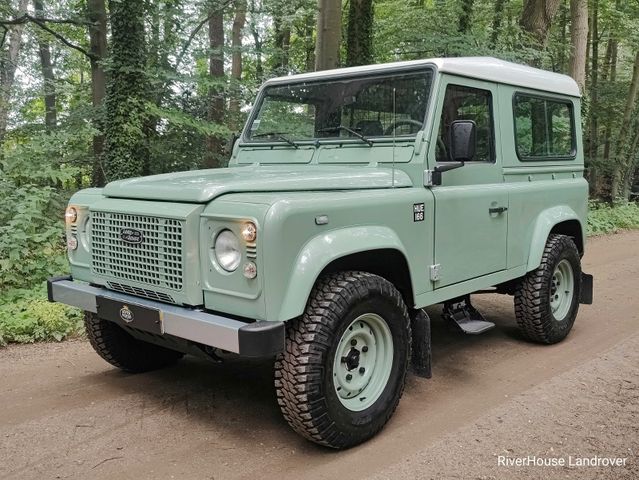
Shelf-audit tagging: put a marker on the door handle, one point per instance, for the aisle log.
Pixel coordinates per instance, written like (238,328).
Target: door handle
(497,210)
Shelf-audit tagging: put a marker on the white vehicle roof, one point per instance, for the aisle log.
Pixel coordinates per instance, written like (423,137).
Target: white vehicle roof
(482,68)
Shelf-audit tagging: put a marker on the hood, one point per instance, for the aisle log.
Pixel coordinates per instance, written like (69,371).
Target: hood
(202,186)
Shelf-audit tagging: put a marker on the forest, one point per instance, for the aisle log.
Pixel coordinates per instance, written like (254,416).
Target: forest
(96,90)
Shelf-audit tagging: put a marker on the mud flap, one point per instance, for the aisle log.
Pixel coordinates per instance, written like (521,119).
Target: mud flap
(421,352)
(586,289)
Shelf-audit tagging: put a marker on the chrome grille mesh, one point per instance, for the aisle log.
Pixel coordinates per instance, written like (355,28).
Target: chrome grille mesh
(156,261)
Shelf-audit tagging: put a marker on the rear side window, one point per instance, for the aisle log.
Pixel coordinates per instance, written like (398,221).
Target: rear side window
(544,128)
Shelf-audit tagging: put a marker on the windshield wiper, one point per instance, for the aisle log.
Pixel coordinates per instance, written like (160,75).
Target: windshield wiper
(279,136)
(349,130)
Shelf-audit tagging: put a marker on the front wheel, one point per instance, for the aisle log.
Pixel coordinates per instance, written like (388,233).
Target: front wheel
(123,351)
(344,367)
(547,299)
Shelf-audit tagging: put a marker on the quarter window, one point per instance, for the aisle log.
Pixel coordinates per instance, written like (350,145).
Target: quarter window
(466,103)
(544,128)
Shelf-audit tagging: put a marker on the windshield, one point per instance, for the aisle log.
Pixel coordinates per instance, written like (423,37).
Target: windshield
(381,106)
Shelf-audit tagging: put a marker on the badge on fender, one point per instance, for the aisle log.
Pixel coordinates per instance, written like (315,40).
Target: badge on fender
(418,212)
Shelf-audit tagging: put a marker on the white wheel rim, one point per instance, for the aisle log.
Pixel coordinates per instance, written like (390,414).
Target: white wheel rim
(363,362)
(562,288)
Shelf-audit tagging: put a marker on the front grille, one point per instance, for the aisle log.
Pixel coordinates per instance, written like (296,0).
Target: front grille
(141,292)
(155,261)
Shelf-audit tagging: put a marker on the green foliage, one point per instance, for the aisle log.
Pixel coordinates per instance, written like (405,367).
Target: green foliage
(26,316)
(36,177)
(604,218)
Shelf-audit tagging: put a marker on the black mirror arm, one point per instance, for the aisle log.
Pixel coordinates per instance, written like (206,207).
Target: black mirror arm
(449,166)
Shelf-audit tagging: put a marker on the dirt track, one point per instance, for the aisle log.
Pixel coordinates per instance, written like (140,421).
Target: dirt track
(64,413)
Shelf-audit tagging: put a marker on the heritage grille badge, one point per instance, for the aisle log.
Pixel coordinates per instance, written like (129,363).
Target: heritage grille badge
(130,235)
(126,314)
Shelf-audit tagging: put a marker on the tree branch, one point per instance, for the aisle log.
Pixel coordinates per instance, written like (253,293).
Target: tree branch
(42,23)
(44,27)
(195,31)
(29,18)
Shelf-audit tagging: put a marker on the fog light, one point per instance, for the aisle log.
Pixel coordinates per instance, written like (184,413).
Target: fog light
(71,215)
(250,270)
(72,242)
(249,232)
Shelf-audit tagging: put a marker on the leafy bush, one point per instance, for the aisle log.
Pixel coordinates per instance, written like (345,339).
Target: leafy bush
(605,218)
(26,316)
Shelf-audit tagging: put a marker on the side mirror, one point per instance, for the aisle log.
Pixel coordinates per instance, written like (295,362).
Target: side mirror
(463,140)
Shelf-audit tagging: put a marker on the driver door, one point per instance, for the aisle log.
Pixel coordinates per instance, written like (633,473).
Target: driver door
(471,204)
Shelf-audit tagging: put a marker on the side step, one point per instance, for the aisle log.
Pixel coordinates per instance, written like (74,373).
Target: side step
(461,312)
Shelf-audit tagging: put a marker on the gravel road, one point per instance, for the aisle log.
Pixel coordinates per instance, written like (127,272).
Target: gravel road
(493,399)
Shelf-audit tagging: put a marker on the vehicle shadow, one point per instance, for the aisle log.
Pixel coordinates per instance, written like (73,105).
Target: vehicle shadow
(236,398)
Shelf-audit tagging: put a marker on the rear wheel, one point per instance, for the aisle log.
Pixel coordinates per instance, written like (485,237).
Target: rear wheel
(343,370)
(122,350)
(547,299)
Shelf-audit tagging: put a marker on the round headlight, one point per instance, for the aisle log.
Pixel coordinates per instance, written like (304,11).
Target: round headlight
(71,215)
(227,250)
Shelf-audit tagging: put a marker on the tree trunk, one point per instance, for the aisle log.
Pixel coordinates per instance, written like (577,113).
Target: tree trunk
(309,44)
(8,66)
(594,86)
(215,146)
(236,58)
(44,48)
(359,33)
(126,146)
(578,41)
(498,14)
(536,18)
(257,42)
(282,43)
(329,34)
(96,14)
(620,167)
(465,16)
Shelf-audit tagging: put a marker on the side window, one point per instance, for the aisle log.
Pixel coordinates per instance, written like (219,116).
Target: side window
(544,128)
(466,103)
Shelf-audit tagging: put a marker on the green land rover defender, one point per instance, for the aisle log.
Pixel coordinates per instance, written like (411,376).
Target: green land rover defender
(353,199)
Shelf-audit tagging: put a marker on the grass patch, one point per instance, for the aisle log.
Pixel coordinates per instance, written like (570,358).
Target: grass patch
(604,218)
(26,316)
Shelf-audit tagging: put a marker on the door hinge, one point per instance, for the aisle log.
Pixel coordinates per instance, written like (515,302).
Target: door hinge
(435,271)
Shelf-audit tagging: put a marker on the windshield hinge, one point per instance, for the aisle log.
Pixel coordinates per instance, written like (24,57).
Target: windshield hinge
(435,272)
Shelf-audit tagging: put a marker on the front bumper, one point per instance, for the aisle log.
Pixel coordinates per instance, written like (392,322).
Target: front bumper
(255,339)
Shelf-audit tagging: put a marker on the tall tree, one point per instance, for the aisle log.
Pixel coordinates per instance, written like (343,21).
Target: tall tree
(44,48)
(8,65)
(329,34)
(97,16)
(236,57)
(465,16)
(498,15)
(215,147)
(359,33)
(536,18)
(578,41)
(624,157)
(126,148)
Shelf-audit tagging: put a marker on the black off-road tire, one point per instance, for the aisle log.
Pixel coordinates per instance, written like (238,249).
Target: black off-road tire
(532,296)
(122,350)
(304,372)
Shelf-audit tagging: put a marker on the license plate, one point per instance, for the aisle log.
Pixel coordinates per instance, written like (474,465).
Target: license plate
(130,314)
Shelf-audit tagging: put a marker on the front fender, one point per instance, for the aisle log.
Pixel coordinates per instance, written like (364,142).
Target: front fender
(543,226)
(323,249)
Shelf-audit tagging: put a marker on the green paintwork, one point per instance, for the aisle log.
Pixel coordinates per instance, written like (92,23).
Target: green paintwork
(562,290)
(369,205)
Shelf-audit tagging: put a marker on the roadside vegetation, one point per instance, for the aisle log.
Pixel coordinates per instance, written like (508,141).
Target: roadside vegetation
(97,90)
